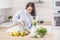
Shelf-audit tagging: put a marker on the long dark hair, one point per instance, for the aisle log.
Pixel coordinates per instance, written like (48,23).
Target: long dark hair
(33,13)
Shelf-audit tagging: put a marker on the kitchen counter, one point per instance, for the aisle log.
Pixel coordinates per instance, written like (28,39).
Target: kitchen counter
(6,36)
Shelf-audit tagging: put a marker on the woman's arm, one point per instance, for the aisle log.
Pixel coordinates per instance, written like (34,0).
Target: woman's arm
(22,23)
(18,19)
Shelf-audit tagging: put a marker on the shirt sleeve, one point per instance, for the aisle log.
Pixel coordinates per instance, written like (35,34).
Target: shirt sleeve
(16,18)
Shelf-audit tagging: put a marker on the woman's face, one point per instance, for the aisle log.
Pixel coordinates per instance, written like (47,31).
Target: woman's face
(29,9)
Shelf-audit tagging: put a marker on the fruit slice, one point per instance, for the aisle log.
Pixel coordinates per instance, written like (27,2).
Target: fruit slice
(22,33)
(11,34)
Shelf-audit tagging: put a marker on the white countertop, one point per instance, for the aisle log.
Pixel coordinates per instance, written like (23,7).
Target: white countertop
(6,24)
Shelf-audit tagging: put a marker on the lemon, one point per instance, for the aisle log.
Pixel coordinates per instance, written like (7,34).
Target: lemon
(16,33)
(19,33)
(11,34)
(22,33)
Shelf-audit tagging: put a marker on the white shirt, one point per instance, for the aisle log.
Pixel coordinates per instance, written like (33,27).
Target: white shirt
(22,15)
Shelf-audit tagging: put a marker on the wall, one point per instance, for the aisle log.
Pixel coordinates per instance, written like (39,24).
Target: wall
(42,10)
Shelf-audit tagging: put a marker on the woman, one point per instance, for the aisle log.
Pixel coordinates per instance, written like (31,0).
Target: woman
(23,18)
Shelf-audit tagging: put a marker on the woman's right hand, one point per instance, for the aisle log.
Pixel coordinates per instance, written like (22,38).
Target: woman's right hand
(22,23)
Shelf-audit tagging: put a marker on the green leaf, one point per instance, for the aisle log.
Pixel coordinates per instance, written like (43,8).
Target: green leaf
(41,31)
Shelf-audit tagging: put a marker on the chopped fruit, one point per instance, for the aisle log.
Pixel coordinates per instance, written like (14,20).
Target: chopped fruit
(11,34)
(22,33)
(14,33)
